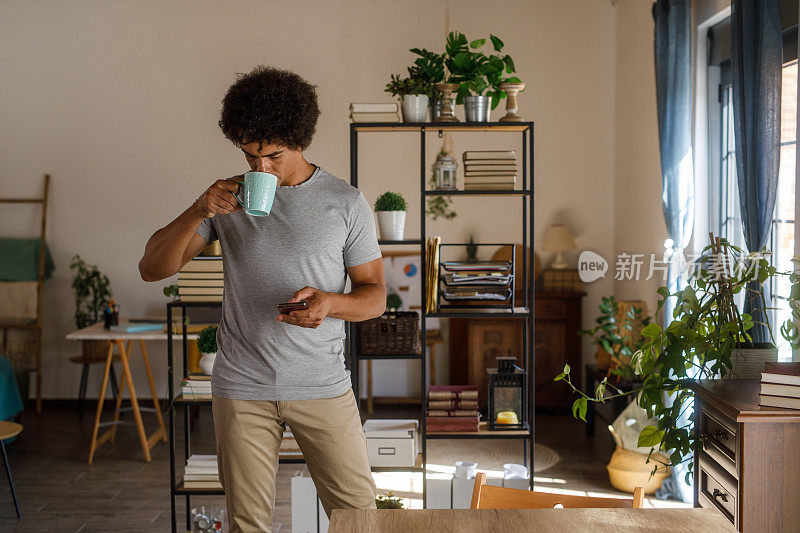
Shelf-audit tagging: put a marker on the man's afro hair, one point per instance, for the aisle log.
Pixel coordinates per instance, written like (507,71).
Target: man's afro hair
(272,106)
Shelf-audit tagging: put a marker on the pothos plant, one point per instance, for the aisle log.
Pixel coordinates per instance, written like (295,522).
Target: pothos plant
(475,71)
(706,327)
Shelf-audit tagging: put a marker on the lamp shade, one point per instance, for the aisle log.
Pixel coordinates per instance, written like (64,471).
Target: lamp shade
(558,239)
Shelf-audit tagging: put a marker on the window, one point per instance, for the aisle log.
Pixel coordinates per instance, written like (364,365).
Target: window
(723,179)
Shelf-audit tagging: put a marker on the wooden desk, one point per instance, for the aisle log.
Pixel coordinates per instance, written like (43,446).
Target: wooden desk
(117,338)
(539,520)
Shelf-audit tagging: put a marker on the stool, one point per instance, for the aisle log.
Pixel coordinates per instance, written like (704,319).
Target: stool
(8,430)
(86,361)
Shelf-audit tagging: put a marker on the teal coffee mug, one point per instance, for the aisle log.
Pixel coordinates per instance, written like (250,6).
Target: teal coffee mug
(258,193)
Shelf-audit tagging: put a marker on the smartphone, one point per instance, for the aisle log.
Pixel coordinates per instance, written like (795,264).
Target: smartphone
(287,307)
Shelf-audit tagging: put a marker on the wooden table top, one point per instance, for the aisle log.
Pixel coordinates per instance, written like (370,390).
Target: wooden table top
(539,520)
(97,332)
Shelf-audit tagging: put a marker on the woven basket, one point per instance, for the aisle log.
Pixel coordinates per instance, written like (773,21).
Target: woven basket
(391,333)
(628,469)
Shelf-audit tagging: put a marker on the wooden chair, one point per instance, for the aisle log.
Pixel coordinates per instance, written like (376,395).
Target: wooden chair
(8,430)
(490,497)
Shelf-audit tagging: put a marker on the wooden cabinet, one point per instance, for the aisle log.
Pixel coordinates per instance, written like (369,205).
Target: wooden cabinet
(748,466)
(475,343)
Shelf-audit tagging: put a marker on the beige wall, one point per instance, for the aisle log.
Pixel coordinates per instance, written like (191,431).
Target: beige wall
(119,102)
(638,218)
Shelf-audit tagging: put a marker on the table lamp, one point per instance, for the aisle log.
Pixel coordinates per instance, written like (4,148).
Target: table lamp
(558,239)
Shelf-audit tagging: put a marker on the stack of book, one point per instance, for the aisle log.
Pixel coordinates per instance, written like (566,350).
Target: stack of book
(476,283)
(374,112)
(780,385)
(196,387)
(201,280)
(431,273)
(201,472)
(452,408)
(489,169)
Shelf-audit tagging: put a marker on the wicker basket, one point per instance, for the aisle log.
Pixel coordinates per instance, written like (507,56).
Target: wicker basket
(391,333)
(629,469)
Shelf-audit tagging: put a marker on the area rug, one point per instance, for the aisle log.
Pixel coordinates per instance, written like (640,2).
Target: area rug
(490,454)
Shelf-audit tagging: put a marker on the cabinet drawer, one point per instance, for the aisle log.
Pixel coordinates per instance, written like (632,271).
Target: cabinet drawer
(719,438)
(717,489)
(550,309)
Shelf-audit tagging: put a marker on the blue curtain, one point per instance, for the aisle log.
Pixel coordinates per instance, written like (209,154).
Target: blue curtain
(756,59)
(673,62)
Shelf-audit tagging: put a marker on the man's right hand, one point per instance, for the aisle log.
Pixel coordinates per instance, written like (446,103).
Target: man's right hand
(219,199)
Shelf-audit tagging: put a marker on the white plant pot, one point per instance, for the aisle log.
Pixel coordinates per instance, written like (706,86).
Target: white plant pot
(392,224)
(207,363)
(414,107)
(748,363)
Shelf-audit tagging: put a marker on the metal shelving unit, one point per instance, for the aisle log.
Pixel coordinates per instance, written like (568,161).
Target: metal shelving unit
(177,402)
(524,312)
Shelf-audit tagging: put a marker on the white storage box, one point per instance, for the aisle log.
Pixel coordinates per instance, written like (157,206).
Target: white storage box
(308,515)
(392,442)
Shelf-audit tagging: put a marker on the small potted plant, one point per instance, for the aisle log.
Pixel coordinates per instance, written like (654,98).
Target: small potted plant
(476,73)
(413,92)
(207,343)
(92,291)
(391,209)
(388,501)
(393,302)
(430,67)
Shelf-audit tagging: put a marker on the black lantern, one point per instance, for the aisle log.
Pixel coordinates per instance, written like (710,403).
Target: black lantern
(506,395)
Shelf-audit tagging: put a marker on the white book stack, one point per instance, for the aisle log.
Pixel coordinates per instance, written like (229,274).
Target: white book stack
(387,112)
(201,280)
(490,169)
(196,387)
(201,472)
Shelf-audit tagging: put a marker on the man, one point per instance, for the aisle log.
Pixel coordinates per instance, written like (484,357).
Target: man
(274,370)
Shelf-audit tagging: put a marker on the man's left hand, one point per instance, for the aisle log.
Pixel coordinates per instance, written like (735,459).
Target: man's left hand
(319,305)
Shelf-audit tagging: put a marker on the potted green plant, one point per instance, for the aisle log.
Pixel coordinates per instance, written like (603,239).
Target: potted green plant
(207,344)
(92,291)
(614,338)
(391,210)
(476,72)
(172,290)
(706,329)
(388,501)
(430,67)
(413,93)
(393,302)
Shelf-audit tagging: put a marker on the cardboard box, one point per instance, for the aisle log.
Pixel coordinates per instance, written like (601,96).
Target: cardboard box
(392,442)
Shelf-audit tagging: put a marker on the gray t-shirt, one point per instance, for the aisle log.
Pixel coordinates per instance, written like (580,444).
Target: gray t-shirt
(315,230)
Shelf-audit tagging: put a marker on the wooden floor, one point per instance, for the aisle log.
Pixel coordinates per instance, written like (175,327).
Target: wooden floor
(59,491)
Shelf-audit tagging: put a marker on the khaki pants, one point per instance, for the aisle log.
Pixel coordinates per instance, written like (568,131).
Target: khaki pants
(330,435)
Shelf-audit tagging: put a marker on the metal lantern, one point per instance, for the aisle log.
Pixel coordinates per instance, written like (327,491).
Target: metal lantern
(506,395)
(444,172)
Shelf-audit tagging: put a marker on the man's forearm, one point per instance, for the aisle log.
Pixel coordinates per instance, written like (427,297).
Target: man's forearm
(362,303)
(163,253)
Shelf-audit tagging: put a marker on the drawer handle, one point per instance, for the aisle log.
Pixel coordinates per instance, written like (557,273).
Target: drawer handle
(721,495)
(720,435)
